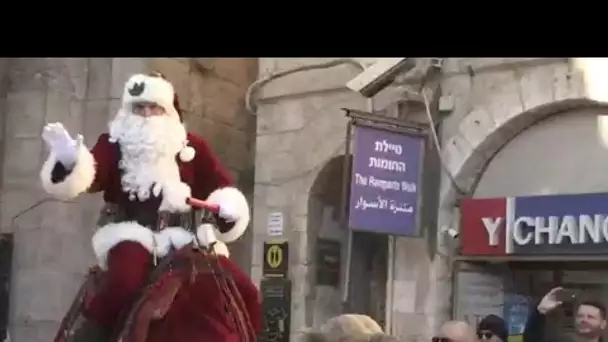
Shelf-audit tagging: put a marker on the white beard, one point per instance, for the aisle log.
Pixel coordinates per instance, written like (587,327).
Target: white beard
(149,146)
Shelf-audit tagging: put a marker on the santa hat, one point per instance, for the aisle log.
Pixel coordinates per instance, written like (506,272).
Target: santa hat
(155,88)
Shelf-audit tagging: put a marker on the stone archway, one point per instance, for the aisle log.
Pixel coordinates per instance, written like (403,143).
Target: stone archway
(468,156)
(368,266)
(325,207)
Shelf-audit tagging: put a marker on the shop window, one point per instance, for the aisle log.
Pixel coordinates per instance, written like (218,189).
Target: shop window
(511,289)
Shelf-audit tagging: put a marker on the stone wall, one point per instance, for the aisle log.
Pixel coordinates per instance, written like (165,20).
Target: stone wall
(300,128)
(52,241)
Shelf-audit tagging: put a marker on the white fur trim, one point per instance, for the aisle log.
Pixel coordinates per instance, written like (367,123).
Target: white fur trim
(187,154)
(156,89)
(178,237)
(220,248)
(77,182)
(175,195)
(206,234)
(112,234)
(233,198)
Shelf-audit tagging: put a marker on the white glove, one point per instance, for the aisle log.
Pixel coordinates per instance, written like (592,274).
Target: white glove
(61,143)
(549,301)
(228,211)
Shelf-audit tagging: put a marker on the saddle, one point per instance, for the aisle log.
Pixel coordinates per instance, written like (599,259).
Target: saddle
(155,298)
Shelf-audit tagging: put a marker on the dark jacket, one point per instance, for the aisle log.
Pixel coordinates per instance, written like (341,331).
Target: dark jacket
(535,328)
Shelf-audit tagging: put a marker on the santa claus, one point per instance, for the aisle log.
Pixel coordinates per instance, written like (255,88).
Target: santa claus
(146,166)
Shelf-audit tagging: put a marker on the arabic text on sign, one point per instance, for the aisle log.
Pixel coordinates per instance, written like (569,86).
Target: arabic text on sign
(380,203)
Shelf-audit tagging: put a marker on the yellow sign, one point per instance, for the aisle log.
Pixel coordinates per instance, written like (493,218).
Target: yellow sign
(274,256)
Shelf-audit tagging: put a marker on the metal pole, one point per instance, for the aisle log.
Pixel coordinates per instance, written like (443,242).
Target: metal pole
(345,200)
(344,216)
(390,281)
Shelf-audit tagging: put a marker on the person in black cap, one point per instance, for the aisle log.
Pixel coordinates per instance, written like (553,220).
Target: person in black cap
(492,329)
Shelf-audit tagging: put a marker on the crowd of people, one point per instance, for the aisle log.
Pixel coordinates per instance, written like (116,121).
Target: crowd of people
(589,322)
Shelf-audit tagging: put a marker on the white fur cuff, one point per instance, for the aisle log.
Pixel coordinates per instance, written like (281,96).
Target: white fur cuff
(235,198)
(77,182)
(179,237)
(112,234)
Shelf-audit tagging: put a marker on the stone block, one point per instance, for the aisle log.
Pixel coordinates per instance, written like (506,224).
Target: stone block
(234,144)
(299,202)
(329,80)
(33,331)
(52,248)
(114,107)
(288,116)
(62,80)
(122,69)
(18,201)
(26,80)
(480,65)
(270,143)
(256,273)
(498,93)
(277,169)
(459,89)
(239,71)
(99,79)
(76,67)
(178,73)
(90,207)
(26,63)
(22,161)
(455,152)
(61,216)
(568,82)
(476,126)
(60,107)
(410,327)
(42,294)
(25,113)
(301,247)
(537,85)
(96,120)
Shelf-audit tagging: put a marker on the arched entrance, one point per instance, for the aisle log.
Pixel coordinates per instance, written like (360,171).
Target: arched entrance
(328,240)
(556,149)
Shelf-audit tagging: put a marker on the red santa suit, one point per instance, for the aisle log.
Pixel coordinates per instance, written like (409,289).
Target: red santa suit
(142,185)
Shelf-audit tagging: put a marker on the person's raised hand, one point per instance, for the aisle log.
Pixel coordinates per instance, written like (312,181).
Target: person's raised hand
(549,301)
(61,143)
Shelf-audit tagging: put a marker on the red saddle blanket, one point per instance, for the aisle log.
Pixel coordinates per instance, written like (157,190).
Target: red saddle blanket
(191,296)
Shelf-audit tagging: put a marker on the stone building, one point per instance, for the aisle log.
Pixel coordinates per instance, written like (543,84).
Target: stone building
(508,127)
(52,241)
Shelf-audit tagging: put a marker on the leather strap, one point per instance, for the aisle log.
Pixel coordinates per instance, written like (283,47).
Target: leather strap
(66,327)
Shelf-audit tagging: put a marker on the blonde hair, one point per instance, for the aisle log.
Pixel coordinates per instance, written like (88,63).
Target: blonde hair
(348,328)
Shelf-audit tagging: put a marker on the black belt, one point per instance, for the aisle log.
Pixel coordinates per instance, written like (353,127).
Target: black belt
(114,213)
